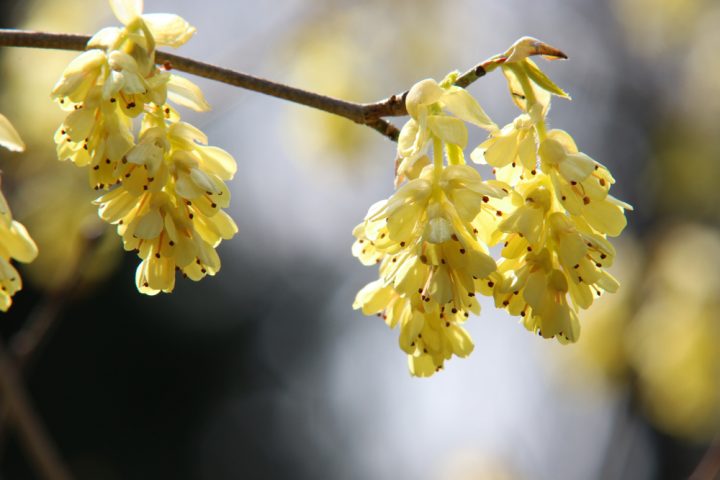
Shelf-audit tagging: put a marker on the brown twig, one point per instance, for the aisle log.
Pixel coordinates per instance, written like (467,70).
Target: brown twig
(369,114)
(709,466)
(32,433)
(25,344)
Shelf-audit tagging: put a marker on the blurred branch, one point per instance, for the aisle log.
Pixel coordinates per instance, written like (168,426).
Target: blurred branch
(16,410)
(36,441)
(709,466)
(369,114)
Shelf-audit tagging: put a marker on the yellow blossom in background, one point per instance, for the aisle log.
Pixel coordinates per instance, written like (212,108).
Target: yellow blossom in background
(659,335)
(330,52)
(167,187)
(674,336)
(329,67)
(15,242)
(654,28)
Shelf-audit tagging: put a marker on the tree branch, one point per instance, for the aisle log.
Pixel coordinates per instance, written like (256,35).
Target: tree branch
(369,114)
(32,433)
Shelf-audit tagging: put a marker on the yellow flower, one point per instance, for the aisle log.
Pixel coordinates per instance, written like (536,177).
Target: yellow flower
(525,226)
(581,184)
(424,236)
(512,150)
(534,288)
(547,246)
(9,137)
(429,335)
(15,242)
(430,257)
(168,204)
(168,188)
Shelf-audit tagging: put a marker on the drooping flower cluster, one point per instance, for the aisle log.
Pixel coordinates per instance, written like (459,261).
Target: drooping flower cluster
(166,185)
(424,236)
(556,250)
(15,242)
(549,207)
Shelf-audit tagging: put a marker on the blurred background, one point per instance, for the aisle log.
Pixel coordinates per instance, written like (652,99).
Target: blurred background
(265,371)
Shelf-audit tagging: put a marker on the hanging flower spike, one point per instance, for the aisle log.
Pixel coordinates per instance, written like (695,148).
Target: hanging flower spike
(167,187)
(169,206)
(15,242)
(582,185)
(430,251)
(555,246)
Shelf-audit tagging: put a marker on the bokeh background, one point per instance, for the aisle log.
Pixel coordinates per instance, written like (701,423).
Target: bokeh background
(265,371)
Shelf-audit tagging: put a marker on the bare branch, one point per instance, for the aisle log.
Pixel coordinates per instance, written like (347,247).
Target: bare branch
(32,432)
(369,114)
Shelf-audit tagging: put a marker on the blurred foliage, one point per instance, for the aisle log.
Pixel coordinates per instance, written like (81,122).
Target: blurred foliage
(660,337)
(655,28)
(336,52)
(675,334)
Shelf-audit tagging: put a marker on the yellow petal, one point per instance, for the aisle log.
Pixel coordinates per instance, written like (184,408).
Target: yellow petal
(535,289)
(105,38)
(502,148)
(20,245)
(184,92)
(527,152)
(542,80)
(423,93)
(462,344)
(161,273)
(80,75)
(460,103)
(217,161)
(373,297)
(141,281)
(564,139)
(448,129)
(9,137)
(581,294)
(169,29)
(576,167)
(440,287)
(149,226)
(421,366)
(605,217)
(126,10)
(608,283)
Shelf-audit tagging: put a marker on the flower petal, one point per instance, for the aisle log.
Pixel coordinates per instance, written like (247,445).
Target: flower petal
(448,129)
(460,103)
(9,137)
(184,92)
(169,29)
(126,10)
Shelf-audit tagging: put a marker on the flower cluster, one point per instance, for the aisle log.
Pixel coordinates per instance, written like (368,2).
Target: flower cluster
(166,186)
(425,237)
(555,251)
(549,206)
(15,242)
